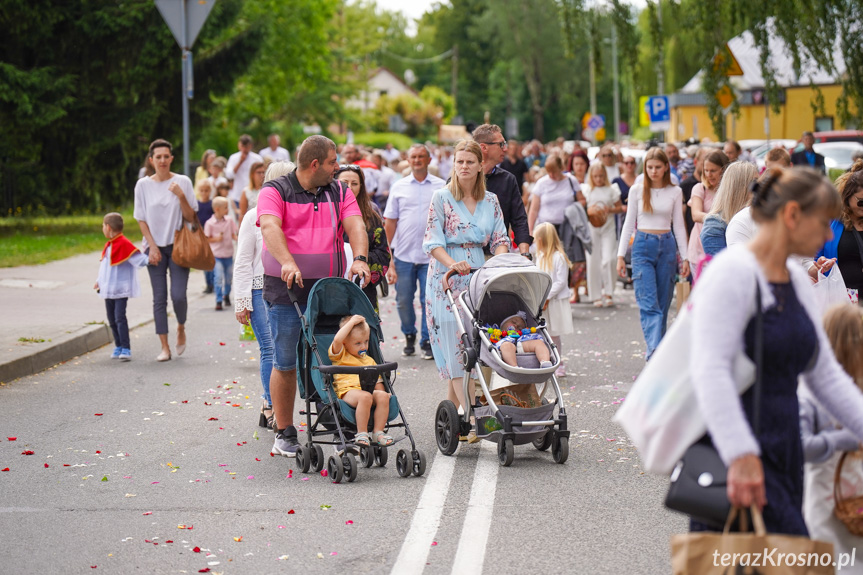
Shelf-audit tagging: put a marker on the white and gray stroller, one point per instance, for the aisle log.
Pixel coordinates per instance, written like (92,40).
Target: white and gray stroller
(505,285)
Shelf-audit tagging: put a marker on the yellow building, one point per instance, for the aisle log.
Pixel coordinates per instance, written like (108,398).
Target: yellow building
(689,117)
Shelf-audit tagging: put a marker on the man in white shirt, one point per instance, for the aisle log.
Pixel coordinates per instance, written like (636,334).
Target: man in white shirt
(406,216)
(386,178)
(391,154)
(275,153)
(238,168)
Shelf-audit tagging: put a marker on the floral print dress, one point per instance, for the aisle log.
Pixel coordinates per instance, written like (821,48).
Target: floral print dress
(463,235)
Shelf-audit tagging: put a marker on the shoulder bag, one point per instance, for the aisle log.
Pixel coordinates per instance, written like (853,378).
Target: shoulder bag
(191,247)
(699,481)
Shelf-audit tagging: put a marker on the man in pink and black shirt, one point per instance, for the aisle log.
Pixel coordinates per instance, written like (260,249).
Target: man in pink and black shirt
(303,218)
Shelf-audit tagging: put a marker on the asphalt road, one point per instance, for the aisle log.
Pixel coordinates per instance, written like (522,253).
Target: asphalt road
(126,455)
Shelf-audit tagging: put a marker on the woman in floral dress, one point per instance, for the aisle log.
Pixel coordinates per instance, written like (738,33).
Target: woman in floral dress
(463,217)
(379,249)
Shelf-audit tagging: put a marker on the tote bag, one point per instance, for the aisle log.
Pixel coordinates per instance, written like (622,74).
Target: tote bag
(661,414)
(191,248)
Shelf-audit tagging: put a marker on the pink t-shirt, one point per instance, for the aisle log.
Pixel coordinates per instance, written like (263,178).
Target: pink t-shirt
(228,228)
(312,226)
(696,251)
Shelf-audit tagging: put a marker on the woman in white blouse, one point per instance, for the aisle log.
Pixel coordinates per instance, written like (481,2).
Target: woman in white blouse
(657,208)
(163,203)
(552,194)
(249,305)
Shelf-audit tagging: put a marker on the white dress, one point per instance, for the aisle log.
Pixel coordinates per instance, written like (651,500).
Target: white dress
(601,272)
(558,315)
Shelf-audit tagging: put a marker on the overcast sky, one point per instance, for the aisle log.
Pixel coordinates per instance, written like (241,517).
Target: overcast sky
(413,9)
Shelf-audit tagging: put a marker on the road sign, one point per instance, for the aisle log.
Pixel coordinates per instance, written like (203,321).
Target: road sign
(596,122)
(196,12)
(643,118)
(725,96)
(725,58)
(659,113)
(657,109)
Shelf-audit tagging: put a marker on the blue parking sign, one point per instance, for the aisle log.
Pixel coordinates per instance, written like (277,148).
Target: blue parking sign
(658,110)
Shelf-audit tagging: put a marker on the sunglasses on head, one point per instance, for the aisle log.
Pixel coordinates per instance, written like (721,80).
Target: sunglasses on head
(629,162)
(351,167)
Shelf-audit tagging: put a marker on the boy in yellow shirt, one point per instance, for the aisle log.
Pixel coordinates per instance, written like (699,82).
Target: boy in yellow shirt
(349,349)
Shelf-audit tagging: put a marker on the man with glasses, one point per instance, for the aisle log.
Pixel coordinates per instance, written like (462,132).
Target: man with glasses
(503,184)
(406,216)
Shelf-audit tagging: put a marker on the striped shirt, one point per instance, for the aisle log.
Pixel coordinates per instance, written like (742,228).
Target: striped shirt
(312,224)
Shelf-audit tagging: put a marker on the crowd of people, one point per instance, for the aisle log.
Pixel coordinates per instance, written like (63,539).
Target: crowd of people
(406,218)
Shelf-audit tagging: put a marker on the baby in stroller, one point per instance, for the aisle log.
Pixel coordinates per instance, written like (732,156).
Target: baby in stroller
(516,337)
(348,349)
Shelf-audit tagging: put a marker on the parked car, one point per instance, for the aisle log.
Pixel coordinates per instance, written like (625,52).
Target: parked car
(833,136)
(839,155)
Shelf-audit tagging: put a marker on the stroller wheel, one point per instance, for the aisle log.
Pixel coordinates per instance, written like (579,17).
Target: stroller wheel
(349,463)
(505,452)
(419,466)
(335,469)
(544,442)
(317,458)
(381,456)
(367,457)
(402,465)
(304,458)
(447,427)
(560,449)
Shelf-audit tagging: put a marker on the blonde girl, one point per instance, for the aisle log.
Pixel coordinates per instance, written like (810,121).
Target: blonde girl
(602,198)
(551,258)
(824,440)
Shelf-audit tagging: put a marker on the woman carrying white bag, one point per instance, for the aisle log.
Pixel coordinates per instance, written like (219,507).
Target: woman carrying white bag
(794,208)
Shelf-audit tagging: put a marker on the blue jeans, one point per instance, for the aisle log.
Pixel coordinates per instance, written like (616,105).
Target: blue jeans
(406,285)
(224,272)
(261,326)
(116,309)
(654,265)
(209,277)
(285,328)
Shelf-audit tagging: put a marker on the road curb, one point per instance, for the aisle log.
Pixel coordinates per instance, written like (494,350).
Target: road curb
(61,349)
(68,346)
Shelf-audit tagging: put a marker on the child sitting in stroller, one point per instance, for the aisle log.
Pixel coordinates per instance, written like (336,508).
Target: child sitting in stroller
(515,337)
(349,349)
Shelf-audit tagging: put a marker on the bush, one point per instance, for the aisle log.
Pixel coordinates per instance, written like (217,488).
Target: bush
(379,140)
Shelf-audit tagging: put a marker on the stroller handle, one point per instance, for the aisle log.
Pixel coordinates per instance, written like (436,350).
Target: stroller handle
(451,273)
(379,368)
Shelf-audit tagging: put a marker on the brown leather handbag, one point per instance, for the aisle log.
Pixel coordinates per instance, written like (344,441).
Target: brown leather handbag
(191,248)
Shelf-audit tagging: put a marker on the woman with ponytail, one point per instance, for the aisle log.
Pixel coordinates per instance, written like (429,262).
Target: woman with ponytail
(794,208)
(656,207)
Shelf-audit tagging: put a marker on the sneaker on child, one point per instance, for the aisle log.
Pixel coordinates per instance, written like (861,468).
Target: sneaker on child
(125,355)
(116,353)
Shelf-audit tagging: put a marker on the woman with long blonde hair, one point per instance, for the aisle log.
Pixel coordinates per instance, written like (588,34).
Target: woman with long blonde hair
(732,196)
(603,204)
(463,218)
(656,207)
(551,258)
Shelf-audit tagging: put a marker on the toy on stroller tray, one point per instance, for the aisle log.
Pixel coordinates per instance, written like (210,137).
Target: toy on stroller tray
(329,300)
(505,285)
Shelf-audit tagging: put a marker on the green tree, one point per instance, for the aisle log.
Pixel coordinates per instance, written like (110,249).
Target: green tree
(85,86)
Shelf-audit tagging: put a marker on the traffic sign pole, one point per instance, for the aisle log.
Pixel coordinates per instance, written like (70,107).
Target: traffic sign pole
(183,91)
(185,20)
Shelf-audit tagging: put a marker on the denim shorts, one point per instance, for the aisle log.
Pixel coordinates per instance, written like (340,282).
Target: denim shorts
(285,326)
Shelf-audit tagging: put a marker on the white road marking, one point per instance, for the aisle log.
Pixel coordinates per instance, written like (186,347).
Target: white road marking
(417,544)
(470,555)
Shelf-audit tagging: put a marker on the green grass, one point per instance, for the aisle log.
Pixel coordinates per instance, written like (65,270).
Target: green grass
(30,241)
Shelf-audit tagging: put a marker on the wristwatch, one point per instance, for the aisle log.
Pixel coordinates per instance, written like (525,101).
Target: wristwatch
(363,259)
(528,255)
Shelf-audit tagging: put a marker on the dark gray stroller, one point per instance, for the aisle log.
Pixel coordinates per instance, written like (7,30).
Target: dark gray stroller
(506,284)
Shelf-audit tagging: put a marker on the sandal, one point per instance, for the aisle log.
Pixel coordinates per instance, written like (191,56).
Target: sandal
(362,438)
(382,439)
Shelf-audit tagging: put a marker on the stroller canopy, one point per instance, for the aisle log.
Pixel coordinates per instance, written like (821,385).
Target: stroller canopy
(511,273)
